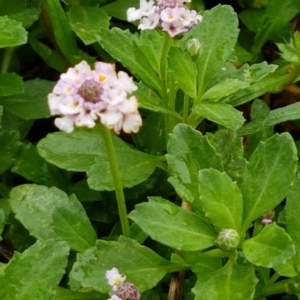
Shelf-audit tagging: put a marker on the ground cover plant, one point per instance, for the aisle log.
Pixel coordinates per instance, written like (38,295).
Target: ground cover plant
(148,149)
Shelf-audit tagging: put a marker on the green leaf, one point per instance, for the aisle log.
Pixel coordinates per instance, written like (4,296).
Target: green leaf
(288,52)
(11,33)
(271,247)
(50,213)
(87,22)
(26,12)
(173,226)
(36,272)
(221,113)
(125,47)
(63,33)
(221,199)
(65,294)
(188,152)
(32,104)
(217,47)
(268,176)
(224,88)
(230,282)
(9,147)
(10,83)
(273,23)
(134,166)
(252,18)
(276,116)
(231,148)
(287,269)
(142,266)
(2,222)
(183,70)
(148,99)
(119,8)
(50,56)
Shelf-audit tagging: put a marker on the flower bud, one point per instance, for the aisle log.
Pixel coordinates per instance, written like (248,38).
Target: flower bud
(228,240)
(127,291)
(193,48)
(267,218)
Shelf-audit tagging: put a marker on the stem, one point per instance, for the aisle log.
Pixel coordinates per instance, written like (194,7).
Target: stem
(113,162)
(274,278)
(274,289)
(186,108)
(171,121)
(8,53)
(257,228)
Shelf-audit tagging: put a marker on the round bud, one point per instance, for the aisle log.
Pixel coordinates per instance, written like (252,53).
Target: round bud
(228,240)
(193,46)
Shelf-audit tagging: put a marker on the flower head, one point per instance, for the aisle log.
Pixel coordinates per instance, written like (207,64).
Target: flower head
(83,96)
(115,279)
(170,15)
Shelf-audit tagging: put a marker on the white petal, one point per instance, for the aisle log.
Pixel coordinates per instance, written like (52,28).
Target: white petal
(65,124)
(132,123)
(133,14)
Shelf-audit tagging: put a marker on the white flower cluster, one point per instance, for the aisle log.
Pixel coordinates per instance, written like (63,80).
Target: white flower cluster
(171,15)
(124,291)
(83,95)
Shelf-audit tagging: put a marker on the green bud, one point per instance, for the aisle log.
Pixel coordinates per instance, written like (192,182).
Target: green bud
(228,240)
(193,46)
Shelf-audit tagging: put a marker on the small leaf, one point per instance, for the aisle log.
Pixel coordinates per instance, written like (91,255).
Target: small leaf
(224,88)
(221,113)
(11,33)
(183,70)
(230,282)
(173,226)
(10,84)
(271,247)
(32,103)
(142,266)
(221,199)
(36,272)
(287,269)
(188,152)
(87,22)
(268,176)
(43,210)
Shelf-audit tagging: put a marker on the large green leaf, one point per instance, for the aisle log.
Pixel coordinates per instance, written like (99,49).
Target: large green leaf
(36,272)
(125,47)
(11,33)
(87,22)
(32,103)
(183,70)
(10,84)
(276,116)
(188,152)
(142,266)
(221,113)
(268,176)
(65,294)
(221,199)
(270,248)
(217,47)
(230,282)
(173,226)
(50,213)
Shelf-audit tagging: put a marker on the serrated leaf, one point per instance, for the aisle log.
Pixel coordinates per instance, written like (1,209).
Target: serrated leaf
(276,116)
(12,33)
(32,103)
(221,113)
(188,152)
(87,22)
(36,272)
(183,70)
(43,210)
(221,199)
(9,147)
(270,248)
(268,176)
(10,84)
(142,266)
(173,226)
(124,47)
(230,282)
(218,47)
(224,89)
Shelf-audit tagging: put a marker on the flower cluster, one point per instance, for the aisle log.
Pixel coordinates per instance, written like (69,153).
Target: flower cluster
(83,95)
(171,15)
(123,290)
